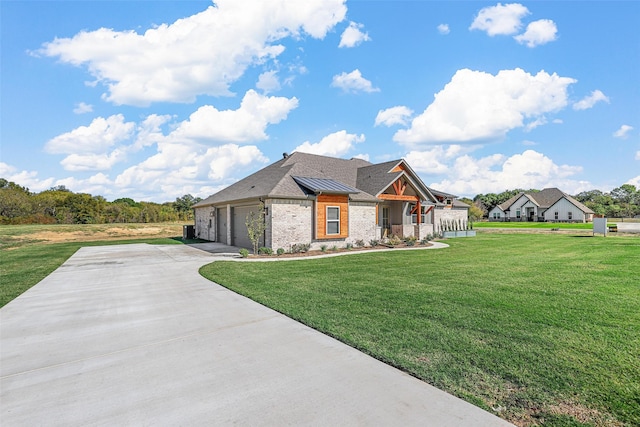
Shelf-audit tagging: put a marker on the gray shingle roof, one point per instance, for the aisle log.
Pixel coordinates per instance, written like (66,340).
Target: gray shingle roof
(295,175)
(276,180)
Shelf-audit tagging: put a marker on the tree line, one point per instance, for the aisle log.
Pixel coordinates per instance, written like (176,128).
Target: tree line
(621,202)
(59,205)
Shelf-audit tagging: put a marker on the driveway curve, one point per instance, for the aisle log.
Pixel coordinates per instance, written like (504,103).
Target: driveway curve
(133,335)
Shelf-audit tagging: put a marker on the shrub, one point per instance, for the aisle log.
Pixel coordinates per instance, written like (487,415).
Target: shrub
(280,251)
(374,242)
(265,251)
(334,248)
(425,240)
(349,246)
(244,252)
(394,240)
(300,248)
(411,240)
(359,243)
(323,248)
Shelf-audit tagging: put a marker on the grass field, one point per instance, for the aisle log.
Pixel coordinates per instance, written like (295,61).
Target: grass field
(541,329)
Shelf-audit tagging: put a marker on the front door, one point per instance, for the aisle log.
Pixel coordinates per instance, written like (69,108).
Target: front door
(531,215)
(386,222)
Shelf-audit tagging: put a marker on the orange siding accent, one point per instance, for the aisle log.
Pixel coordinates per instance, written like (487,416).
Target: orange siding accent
(324,200)
(399,168)
(396,197)
(399,187)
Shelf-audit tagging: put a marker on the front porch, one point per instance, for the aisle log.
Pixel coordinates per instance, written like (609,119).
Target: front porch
(401,218)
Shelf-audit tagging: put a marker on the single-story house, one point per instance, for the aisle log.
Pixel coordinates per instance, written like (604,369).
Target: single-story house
(319,200)
(548,205)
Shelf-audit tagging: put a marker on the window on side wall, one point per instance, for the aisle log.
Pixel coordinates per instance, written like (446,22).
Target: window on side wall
(333,220)
(518,214)
(555,215)
(570,215)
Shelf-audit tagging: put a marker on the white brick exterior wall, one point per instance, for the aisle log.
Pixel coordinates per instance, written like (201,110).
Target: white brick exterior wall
(202,229)
(291,222)
(362,223)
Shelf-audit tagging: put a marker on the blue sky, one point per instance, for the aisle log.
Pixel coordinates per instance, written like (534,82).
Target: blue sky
(156,99)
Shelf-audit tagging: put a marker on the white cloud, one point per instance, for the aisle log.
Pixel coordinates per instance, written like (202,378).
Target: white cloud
(635,181)
(443,29)
(476,106)
(353,82)
(435,160)
(398,115)
(96,138)
(538,33)
(90,161)
(623,132)
(335,144)
(500,19)
(200,54)
(638,155)
(539,121)
(225,159)
(496,173)
(247,123)
(27,179)
(591,100)
(268,82)
(179,169)
(82,108)
(353,36)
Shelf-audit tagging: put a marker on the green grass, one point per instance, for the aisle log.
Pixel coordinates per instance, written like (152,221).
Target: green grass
(535,225)
(541,329)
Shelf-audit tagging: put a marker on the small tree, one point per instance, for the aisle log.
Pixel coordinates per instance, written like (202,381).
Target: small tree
(256,226)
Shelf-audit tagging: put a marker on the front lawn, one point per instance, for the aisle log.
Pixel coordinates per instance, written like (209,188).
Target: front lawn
(538,328)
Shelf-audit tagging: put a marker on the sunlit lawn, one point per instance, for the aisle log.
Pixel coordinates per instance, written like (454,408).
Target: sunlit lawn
(538,328)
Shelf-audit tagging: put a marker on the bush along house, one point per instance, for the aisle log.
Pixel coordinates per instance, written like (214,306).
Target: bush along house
(319,200)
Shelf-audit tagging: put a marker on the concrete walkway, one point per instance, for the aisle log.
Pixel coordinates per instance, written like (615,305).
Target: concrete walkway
(133,335)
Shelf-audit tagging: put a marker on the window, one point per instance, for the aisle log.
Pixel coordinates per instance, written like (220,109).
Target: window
(555,215)
(518,214)
(496,215)
(333,220)
(414,216)
(570,215)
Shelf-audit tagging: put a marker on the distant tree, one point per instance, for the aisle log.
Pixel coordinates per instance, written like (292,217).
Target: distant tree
(127,201)
(475,211)
(15,202)
(183,205)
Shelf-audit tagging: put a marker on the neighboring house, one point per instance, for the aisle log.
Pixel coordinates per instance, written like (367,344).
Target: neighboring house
(326,201)
(548,205)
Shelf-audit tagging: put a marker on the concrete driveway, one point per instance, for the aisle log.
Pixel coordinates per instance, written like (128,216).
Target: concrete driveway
(133,335)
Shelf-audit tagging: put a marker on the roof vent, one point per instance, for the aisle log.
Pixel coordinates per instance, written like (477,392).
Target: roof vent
(285,155)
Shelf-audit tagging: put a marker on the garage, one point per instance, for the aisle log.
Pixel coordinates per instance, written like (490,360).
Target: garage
(239,229)
(221,225)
